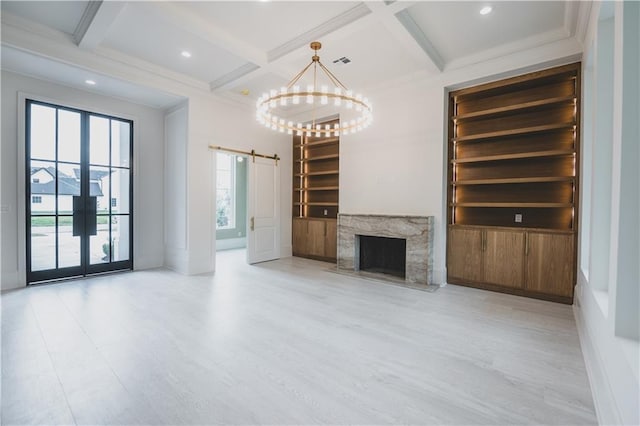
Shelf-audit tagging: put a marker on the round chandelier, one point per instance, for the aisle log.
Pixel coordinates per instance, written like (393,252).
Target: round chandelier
(269,104)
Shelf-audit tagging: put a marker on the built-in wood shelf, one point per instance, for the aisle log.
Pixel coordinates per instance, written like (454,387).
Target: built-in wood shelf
(318,158)
(522,205)
(317,188)
(519,155)
(313,203)
(315,195)
(513,157)
(324,172)
(514,180)
(327,141)
(514,132)
(512,108)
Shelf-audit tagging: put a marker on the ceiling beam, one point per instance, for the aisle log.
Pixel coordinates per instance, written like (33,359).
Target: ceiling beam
(397,19)
(95,22)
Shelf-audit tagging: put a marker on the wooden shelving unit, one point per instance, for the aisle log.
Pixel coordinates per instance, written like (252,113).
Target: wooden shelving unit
(513,165)
(315,196)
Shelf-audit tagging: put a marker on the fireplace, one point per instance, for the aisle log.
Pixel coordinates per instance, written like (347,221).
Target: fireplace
(416,233)
(382,255)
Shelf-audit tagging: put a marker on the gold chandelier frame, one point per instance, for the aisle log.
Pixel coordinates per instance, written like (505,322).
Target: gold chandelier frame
(268,103)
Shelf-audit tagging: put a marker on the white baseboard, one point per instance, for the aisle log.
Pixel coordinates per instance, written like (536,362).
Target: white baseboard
(11,280)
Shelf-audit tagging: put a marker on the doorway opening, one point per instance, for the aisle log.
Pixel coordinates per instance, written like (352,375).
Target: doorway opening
(231,205)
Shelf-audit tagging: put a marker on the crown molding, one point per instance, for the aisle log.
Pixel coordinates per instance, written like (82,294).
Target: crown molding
(232,76)
(528,43)
(405,18)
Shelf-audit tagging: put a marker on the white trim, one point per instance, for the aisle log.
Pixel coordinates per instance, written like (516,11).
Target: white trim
(603,398)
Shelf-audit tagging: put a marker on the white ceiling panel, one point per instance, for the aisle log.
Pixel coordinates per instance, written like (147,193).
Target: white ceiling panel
(61,15)
(373,54)
(47,69)
(140,32)
(267,25)
(456,29)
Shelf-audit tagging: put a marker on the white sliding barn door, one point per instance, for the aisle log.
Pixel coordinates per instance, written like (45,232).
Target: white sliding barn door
(263,239)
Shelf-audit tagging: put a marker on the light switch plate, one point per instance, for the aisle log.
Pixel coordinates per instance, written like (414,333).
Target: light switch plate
(518,218)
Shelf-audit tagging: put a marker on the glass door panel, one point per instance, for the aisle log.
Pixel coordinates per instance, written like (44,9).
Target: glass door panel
(43,243)
(79,192)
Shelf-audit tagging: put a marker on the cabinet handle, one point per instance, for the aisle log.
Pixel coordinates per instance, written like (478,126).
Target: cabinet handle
(252,223)
(526,244)
(484,241)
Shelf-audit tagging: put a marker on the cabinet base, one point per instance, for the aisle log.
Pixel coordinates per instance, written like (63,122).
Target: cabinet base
(320,258)
(567,300)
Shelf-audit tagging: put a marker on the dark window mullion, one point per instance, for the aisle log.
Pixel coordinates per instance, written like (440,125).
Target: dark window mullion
(85,143)
(110,190)
(55,164)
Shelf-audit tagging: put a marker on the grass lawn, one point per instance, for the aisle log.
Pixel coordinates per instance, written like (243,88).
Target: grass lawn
(62,220)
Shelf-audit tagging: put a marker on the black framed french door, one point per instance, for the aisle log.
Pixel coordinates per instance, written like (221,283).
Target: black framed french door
(79,192)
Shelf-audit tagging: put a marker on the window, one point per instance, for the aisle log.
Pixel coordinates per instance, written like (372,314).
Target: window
(225,191)
(114,202)
(36,199)
(36,180)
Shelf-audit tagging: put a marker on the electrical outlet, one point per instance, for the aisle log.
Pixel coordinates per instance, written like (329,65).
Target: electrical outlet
(326,212)
(518,218)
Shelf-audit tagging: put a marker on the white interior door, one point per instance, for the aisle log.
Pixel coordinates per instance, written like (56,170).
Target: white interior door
(263,239)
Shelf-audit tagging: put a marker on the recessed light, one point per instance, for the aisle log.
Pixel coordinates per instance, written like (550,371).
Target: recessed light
(186,54)
(90,82)
(486,10)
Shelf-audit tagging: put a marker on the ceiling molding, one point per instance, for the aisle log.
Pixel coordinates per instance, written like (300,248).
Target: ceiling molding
(233,76)
(509,48)
(571,10)
(318,32)
(85,22)
(11,21)
(101,61)
(404,17)
(198,26)
(96,20)
(582,21)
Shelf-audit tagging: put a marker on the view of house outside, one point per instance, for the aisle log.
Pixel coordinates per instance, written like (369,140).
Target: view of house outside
(110,186)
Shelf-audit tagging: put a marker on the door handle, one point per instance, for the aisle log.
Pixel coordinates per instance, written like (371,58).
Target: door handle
(252,226)
(78,216)
(92,219)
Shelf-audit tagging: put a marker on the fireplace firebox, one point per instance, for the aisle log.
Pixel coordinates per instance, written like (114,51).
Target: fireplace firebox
(382,255)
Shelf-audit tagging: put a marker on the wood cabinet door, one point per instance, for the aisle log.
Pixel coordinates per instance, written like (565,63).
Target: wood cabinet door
(315,237)
(299,237)
(550,263)
(464,254)
(331,239)
(504,258)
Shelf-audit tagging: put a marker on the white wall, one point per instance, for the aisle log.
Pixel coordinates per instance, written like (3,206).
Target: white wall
(176,133)
(190,130)
(606,306)
(398,165)
(148,170)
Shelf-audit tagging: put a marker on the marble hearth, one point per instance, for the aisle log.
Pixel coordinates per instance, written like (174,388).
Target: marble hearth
(417,230)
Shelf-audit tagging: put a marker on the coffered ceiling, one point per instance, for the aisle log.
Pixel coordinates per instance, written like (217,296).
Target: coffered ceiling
(239,49)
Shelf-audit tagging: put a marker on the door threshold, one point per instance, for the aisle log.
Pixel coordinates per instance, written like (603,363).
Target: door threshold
(77,277)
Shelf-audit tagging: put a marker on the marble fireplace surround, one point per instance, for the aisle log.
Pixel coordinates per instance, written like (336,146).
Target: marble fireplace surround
(417,230)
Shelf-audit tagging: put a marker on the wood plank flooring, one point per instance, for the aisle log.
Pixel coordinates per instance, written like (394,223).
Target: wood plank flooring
(285,342)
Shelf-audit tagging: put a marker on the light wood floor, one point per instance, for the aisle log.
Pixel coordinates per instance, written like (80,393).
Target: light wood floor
(285,342)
